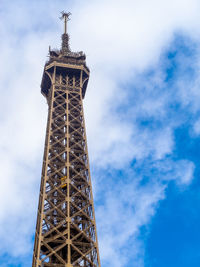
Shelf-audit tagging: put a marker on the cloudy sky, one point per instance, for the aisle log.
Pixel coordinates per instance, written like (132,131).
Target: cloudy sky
(142,110)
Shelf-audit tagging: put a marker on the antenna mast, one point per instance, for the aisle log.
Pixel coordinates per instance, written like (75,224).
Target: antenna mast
(65,16)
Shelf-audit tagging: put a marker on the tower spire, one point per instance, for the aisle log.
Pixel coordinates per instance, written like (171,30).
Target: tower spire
(65,36)
(65,17)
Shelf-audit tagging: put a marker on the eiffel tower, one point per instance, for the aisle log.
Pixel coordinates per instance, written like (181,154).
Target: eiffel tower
(66,233)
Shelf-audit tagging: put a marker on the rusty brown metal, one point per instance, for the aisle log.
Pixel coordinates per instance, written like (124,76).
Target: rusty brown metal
(66,234)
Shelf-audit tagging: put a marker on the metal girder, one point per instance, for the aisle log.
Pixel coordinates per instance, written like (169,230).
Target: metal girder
(66,230)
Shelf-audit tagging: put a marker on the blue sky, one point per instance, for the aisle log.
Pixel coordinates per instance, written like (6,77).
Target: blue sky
(142,111)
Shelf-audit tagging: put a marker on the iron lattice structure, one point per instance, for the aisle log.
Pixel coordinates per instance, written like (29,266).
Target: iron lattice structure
(66,230)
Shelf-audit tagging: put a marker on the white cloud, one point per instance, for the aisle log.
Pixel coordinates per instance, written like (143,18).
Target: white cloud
(196,127)
(126,209)
(130,204)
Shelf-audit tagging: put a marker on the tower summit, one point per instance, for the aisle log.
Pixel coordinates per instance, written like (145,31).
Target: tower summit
(66,233)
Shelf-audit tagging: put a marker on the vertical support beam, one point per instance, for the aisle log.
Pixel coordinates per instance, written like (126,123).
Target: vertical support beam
(90,185)
(38,237)
(68,184)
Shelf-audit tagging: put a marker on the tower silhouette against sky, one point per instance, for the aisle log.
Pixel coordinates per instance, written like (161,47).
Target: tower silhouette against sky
(65,230)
